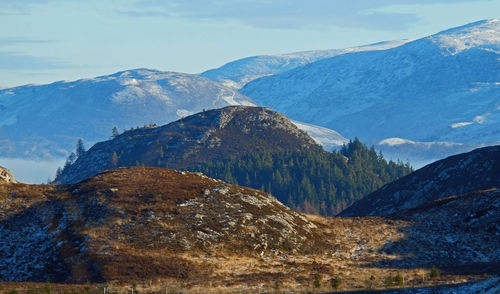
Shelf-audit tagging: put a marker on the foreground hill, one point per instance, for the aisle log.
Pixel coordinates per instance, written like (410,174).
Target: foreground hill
(459,174)
(114,225)
(442,88)
(250,146)
(166,230)
(44,121)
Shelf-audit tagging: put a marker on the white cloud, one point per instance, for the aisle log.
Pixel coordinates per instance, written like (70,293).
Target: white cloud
(287,14)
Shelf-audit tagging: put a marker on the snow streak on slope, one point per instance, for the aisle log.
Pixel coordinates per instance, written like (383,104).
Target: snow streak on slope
(419,90)
(327,138)
(45,121)
(237,73)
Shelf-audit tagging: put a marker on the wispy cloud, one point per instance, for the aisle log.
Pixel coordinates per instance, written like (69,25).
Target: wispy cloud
(287,14)
(17,61)
(20,41)
(14,7)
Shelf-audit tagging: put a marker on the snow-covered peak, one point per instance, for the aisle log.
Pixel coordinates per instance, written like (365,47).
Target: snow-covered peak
(483,34)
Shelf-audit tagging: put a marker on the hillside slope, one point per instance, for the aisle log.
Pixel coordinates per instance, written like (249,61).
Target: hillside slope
(455,175)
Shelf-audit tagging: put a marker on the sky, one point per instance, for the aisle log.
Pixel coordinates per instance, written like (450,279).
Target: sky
(43,41)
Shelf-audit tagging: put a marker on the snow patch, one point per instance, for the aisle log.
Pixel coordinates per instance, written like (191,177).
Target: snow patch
(183,113)
(395,141)
(325,137)
(130,82)
(480,119)
(461,124)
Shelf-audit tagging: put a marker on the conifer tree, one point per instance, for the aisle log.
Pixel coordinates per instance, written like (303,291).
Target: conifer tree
(80,148)
(115,132)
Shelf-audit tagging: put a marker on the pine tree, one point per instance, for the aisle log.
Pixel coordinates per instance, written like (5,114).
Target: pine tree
(58,173)
(80,148)
(114,160)
(115,132)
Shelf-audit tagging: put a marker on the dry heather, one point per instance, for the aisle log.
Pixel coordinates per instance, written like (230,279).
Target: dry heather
(161,229)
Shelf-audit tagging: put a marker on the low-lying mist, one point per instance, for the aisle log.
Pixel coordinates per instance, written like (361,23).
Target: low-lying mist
(32,171)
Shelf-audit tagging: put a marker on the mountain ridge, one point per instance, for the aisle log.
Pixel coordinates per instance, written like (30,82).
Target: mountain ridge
(237,73)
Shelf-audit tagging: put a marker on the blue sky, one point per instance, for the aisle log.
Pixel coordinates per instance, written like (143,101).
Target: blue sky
(43,41)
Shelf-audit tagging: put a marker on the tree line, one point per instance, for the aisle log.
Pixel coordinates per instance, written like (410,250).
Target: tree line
(312,182)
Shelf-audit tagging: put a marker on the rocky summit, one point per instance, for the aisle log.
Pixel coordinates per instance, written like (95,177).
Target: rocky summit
(196,139)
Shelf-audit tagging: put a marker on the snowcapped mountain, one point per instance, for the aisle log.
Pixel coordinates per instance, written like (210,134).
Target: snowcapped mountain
(237,73)
(45,121)
(442,88)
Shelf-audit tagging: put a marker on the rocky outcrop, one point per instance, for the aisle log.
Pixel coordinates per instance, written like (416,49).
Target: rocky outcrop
(6,176)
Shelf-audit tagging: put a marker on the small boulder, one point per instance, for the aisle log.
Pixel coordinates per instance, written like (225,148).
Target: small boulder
(6,176)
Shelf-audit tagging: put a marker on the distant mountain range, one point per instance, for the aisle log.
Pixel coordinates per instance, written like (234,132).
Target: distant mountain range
(444,88)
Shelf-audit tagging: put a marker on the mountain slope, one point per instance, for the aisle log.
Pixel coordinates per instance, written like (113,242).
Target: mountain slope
(45,121)
(455,175)
(193,140)
(237,73)
(441,88)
